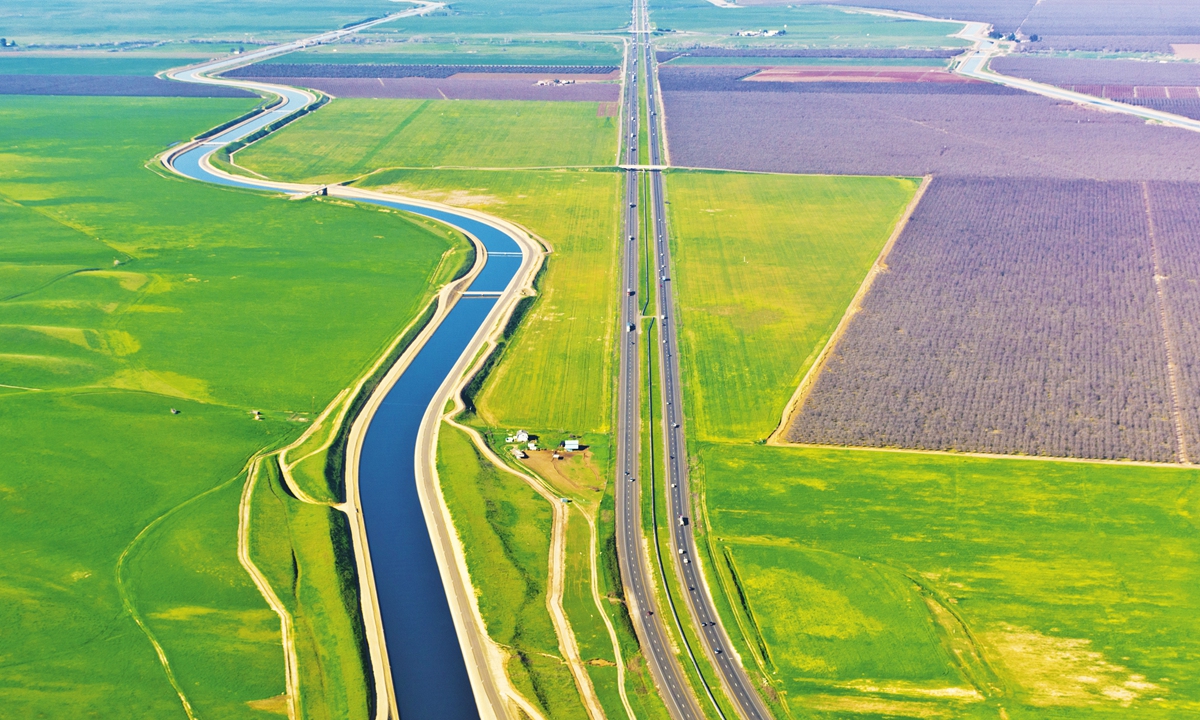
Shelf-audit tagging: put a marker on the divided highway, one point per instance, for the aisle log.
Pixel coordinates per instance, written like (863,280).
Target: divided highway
(699,600)
(635,574)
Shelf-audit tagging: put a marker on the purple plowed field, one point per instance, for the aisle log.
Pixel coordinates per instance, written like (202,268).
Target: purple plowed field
(114,85)
(732,80)
(899,133)
(1072,71)
(867,53)
(1187,108)
(1175,209)
(1016,316)
(458,87)
(373,70)
(1110,43)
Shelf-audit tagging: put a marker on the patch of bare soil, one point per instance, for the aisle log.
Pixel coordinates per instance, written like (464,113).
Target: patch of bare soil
(1056,671)
(277,704)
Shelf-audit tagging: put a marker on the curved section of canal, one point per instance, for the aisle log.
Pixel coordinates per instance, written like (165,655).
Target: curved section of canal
(428,672)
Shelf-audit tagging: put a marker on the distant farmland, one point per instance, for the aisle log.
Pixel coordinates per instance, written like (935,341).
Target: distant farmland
(462,86)
(1020,316)
(911,129)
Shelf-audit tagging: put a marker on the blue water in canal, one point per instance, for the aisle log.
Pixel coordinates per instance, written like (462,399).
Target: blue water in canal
(427,667)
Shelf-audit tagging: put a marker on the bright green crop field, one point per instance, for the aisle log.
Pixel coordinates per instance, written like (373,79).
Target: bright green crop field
(931,586)
(222,302)
(74,22)
(351,137)
(111,64)
(765,265)
(496,52)
(512,17)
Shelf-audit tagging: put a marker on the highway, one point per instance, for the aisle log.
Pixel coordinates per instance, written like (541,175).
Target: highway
(635,573)
(684,556)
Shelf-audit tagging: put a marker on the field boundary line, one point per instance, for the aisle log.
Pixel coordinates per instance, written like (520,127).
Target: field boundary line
(290,658)
(877,268)
(984,456)
(594,549)
(127,598)
(1165,327)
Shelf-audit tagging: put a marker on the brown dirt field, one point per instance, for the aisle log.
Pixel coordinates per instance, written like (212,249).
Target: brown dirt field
(575,471)
(277,705)
(608,109)
(857,74)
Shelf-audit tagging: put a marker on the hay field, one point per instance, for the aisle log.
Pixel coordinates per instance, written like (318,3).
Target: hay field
(352,136)
(764,266)
(222,302)
(956,586)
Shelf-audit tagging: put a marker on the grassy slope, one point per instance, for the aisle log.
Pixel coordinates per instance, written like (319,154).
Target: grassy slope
(765,266)
(351,137)
(221,306)
(888,583)
(505,527)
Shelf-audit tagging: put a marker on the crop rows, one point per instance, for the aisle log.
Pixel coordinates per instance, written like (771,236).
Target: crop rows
(1175,209)
(110,85)
(687,78)
(869,53)
(459,87)
(374,70)
(1016,316)
(894,131)
(1185,107)
(1076,71)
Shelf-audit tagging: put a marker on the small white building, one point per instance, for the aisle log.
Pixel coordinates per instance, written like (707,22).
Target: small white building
(519,453)
(522,436)
(533,446)
(571,444)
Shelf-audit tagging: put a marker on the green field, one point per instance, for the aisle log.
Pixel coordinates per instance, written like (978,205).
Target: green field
(1052,590)
(510,17)
(124,64)
(72,22)
(806,25)
(892,584)
(764,266)
(223,302)
(352,137)
(496,52)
